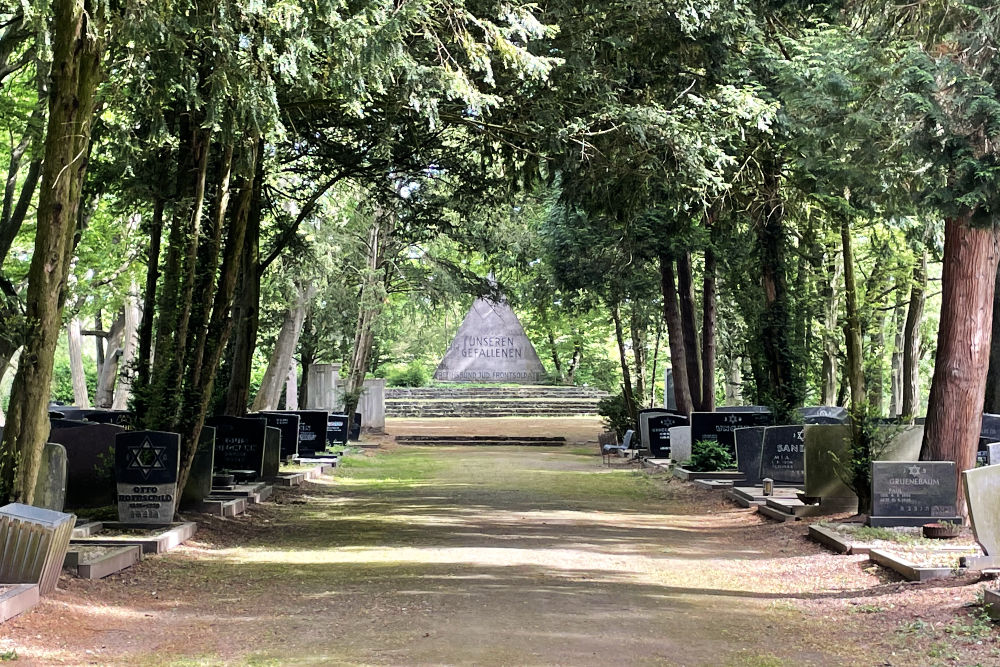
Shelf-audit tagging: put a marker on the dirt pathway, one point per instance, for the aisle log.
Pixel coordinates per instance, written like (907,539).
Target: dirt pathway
(499,556)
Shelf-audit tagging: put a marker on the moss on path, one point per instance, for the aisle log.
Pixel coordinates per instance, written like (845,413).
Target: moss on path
(499,556)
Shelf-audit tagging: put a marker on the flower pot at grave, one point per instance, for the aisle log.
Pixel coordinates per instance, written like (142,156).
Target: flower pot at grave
(941,530)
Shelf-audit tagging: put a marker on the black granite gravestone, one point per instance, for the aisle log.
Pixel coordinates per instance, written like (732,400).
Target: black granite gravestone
(288,424)
(719,426)
(912,493)
(983,452)
(990,428)
(239,444)
(783,454)
(654,430)
(90,477)
(336,429)
(59,422)
(146,469)
(122,418)
(68,411)
(312,432)
(272,453)
(824,414)
(749,446)
(355,433)
(199,482)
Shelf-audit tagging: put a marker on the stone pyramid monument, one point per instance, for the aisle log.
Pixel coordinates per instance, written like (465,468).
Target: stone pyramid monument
(491,346)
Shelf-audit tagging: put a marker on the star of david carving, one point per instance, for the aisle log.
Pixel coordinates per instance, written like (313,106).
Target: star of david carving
(732,419)
(915,470)
(145,458)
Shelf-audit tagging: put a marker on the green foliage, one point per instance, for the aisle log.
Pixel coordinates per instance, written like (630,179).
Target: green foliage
(709,456)
(870,440)
(412,375)
(62,379)
(616,414)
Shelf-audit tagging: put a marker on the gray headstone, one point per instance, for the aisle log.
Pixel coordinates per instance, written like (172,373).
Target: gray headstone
(36,541)
(669,398)
(749,446)
(783,455)
(912,493)
(680,443)
(821,479)
(994,453)
(824,414)
(990,428)
(719,426)
(147,464)
(199,481)
(982,493)
(51,485)
(90,463)
(272,452)
(491,346)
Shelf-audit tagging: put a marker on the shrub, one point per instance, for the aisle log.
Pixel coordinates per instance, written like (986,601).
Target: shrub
(709,456)
(616,415)
(871,437)
(412,375)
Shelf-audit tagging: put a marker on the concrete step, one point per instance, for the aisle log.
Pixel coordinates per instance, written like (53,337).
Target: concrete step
(777,515)
(792,506)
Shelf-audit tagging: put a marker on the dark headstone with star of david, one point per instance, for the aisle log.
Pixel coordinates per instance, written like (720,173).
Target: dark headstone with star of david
(654,430)
(719,426)
(146,469)
(312,430)
(912,493)
(239,443)
(336,429)
(783,454)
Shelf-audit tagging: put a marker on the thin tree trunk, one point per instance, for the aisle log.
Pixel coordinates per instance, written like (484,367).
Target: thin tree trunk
(574,362)
(689,328)
(123,389)
(911,339)
(831,336)
(104,396)
(144,359)
(675,337)
(992,402)
(852,327)
(638,334)
(708,310)
(276,373)
(656,357)
(955,406)
(896,364)
(81,396)
(627,394)
(76,48)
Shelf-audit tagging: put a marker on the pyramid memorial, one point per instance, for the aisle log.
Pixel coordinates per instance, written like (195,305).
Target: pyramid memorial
(491,346)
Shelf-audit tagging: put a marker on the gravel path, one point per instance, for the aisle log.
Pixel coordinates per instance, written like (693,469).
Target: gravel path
(499,556)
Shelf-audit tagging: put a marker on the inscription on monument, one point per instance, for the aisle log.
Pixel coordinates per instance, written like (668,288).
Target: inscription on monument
(912,493)
(146,468)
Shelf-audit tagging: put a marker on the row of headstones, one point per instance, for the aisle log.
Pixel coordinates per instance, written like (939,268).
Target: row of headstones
(254,445)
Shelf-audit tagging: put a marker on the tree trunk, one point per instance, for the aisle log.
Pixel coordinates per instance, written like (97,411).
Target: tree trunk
(708,310)
(104,396)
(638,334)
(76,48)
(627,396)
(81,397)
(123,389)
(911,339)
(144,359)
(955,406)
(992,402)
(831,336)
(896,364)
(307,357)
(852,327)
(284,347)
(675,338)
(689,328)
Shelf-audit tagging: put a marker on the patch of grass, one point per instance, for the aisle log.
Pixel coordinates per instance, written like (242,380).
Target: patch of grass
(9,655)
(756,660)
(581,451)
(916,627)
(942,650)
(869,533)
(867,609)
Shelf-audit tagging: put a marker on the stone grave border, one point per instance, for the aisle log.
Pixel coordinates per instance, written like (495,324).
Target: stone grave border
(691,475)
(173,536)
(17,599)
(118,559)
(909,571)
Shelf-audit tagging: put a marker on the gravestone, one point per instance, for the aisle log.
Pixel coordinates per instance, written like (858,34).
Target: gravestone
(680,443)
(491,346)
(90,462)
(783,454)
(824,414)
(355,434)
(990,428)
(199,481)
(982,493)
(50,489)
(34,542)
(994,453)
(983,452)
(122,418)
(272,453)
(68,411)
(743,408)
(749,448)
(239,444)
(147,464)
(912,493)
(336,429)
(60,423)
(669,397)
(654,430)
(288,424)
(719,426)
(312,432)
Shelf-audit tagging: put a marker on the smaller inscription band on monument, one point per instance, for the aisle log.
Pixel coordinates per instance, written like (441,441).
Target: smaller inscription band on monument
(491,346)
